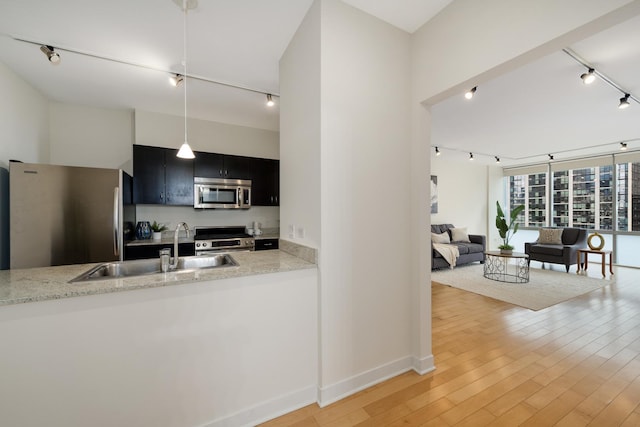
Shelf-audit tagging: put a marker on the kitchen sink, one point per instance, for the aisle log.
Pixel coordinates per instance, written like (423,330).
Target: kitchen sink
(114,270)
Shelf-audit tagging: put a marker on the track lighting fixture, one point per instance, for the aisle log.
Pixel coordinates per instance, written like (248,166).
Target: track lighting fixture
(623,146)
(471,92)
(588,77)
(470,156)
(437,151)
(54,58)
(176,79)
(52,55)
(497,159)
(550,157)
(270,102)
(185,151)
(624,101)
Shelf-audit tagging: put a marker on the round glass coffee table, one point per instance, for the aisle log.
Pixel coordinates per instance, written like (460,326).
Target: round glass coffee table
(509,268)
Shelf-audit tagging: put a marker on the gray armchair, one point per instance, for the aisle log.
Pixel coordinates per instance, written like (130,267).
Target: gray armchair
(566,253)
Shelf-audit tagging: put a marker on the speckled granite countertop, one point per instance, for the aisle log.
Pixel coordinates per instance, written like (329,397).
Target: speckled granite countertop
(41,284)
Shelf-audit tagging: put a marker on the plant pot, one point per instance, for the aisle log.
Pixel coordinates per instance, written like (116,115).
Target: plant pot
(506,251)
(157,235)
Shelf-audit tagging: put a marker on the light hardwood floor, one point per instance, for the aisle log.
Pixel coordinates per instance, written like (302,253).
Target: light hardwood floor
(574,364)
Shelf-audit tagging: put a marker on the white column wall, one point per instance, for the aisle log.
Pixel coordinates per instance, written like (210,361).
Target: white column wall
(365,291)
(300,133)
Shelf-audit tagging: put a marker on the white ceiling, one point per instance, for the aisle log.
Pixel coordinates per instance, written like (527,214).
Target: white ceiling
(544,108)
(538,109)
(232,41)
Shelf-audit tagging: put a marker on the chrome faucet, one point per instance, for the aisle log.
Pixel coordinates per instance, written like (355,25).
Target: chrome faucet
(174,265)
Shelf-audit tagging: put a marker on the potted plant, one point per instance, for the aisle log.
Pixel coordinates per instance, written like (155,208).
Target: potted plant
(507,230)
(157,230)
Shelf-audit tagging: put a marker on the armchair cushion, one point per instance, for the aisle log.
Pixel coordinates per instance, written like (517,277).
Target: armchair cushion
(551,236)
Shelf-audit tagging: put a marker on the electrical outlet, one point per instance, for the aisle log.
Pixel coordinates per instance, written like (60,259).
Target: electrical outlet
(292,231)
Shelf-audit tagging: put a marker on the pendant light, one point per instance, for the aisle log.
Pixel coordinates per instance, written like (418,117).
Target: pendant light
(185,151)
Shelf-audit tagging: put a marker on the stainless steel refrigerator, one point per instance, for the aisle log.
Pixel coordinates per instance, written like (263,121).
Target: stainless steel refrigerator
(68,215)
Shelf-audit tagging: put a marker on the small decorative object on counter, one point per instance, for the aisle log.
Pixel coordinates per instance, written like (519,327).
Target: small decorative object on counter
(143,230)
(157,230)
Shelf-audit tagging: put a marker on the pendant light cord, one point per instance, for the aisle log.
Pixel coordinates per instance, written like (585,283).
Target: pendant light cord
(184,47)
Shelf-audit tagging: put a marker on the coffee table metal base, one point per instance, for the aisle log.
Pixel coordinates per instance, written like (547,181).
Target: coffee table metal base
(499,267)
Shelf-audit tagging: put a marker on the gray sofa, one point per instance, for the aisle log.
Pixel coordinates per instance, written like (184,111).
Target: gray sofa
(469,252)
(566,253)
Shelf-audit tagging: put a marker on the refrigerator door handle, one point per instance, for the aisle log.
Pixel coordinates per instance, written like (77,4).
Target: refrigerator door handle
(116,232)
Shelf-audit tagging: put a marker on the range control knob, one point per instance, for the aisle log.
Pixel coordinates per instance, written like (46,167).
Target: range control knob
(204,245)
(197,245)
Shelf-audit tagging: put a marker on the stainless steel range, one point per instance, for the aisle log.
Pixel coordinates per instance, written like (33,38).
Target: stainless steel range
(222,239)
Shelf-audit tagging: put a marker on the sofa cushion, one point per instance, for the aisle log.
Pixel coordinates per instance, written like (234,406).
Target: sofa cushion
(469,248)
(440,237)
(459,235)
(440,228)
(550,236)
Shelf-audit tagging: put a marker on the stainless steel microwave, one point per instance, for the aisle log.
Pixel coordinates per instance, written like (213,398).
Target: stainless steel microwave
(218,193)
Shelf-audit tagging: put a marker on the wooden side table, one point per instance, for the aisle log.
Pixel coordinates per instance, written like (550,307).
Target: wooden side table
(602,253)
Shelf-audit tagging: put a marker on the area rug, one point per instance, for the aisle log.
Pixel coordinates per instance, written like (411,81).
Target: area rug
(545,287)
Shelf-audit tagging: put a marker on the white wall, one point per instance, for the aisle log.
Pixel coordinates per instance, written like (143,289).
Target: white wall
(91,137)
(354,143)
(218,353)
(24,121)
(365,291)
(462,194)
(163,130)
(300,132)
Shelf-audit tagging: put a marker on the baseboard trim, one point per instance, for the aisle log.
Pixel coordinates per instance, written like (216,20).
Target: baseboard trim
(269,409)
(424,365)
(333,393)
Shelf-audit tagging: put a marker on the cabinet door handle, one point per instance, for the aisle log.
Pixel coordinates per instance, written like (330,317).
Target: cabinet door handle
(161,196)
(220,172)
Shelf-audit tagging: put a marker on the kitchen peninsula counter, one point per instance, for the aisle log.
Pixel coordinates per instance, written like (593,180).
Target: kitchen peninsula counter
(49,283)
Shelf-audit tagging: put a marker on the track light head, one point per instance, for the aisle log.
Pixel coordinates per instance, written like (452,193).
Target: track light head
(52,55)
(437,151)
(624,101)
(623,146)
(550,157)
(471,92)
(470,156)
(588,77)
(270,102)
(497,159)
(176,79)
